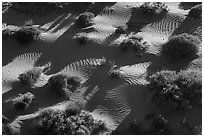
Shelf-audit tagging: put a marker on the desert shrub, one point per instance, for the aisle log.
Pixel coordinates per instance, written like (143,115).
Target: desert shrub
(153,7)
(30,77)
(81,38)
(195,12)
(176,90)
(22,101)
(121,30)
(13,128)
(133,42)
(113,72)
(181,47)
(26,34)
(74,108)
(84,19)
(59,123)
(64,84)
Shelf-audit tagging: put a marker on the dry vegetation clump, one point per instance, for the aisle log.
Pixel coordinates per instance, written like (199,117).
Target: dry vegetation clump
(195,12)
(52,122)
(84,19)
(64,84)
(181,47)
(158,126)
(133,42)
(81,38)
(30,77)
(26,34)
(178,91)
(153,7)
(22,101)
(121,30)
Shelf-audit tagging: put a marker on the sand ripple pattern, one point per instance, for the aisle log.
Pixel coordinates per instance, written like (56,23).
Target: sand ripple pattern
(20,64)
(134,74)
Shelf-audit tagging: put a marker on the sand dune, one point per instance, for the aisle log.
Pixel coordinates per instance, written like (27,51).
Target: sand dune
(118,100)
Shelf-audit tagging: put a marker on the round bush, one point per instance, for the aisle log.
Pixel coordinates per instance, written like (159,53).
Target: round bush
(181,47)
(84,19)
(30,77)
(195,12)
(52,122)
(64,84)
(22,101)
(26,34)
(177,91)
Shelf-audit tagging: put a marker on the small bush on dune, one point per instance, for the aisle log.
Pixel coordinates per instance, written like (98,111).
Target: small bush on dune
(177,91)
(195,12)
(64,84)
(61,123)
(153,7)
(74,108)
(22,101)
(181,47)
(133,42)
(26,34)
(84,19)
(81,38)
(30,77)
(13,128)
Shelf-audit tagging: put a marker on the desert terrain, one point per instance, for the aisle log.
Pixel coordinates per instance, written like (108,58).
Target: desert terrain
(64,63)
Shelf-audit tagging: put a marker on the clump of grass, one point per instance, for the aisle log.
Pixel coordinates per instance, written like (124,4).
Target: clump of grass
(22,101)
(195,12)
(178,91)
(26,34)
(64,84)
(121,30)
(7,33)
(181,47)
(81,38)
(153,7)
(30,77)
(84,19)
(52,122)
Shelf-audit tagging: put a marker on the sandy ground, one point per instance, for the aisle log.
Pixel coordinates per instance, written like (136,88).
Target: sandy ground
(117,101)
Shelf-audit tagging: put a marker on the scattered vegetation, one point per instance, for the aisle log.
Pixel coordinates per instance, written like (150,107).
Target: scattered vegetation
(22,101)
(81,38)
(64,84)
(178,91)
(195,12)
(181,47)
(158,126)
(30,77)
(153,7)
(26,34)
(7,33)
(53,122)
(13,128)
(84,19)
(121,30)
